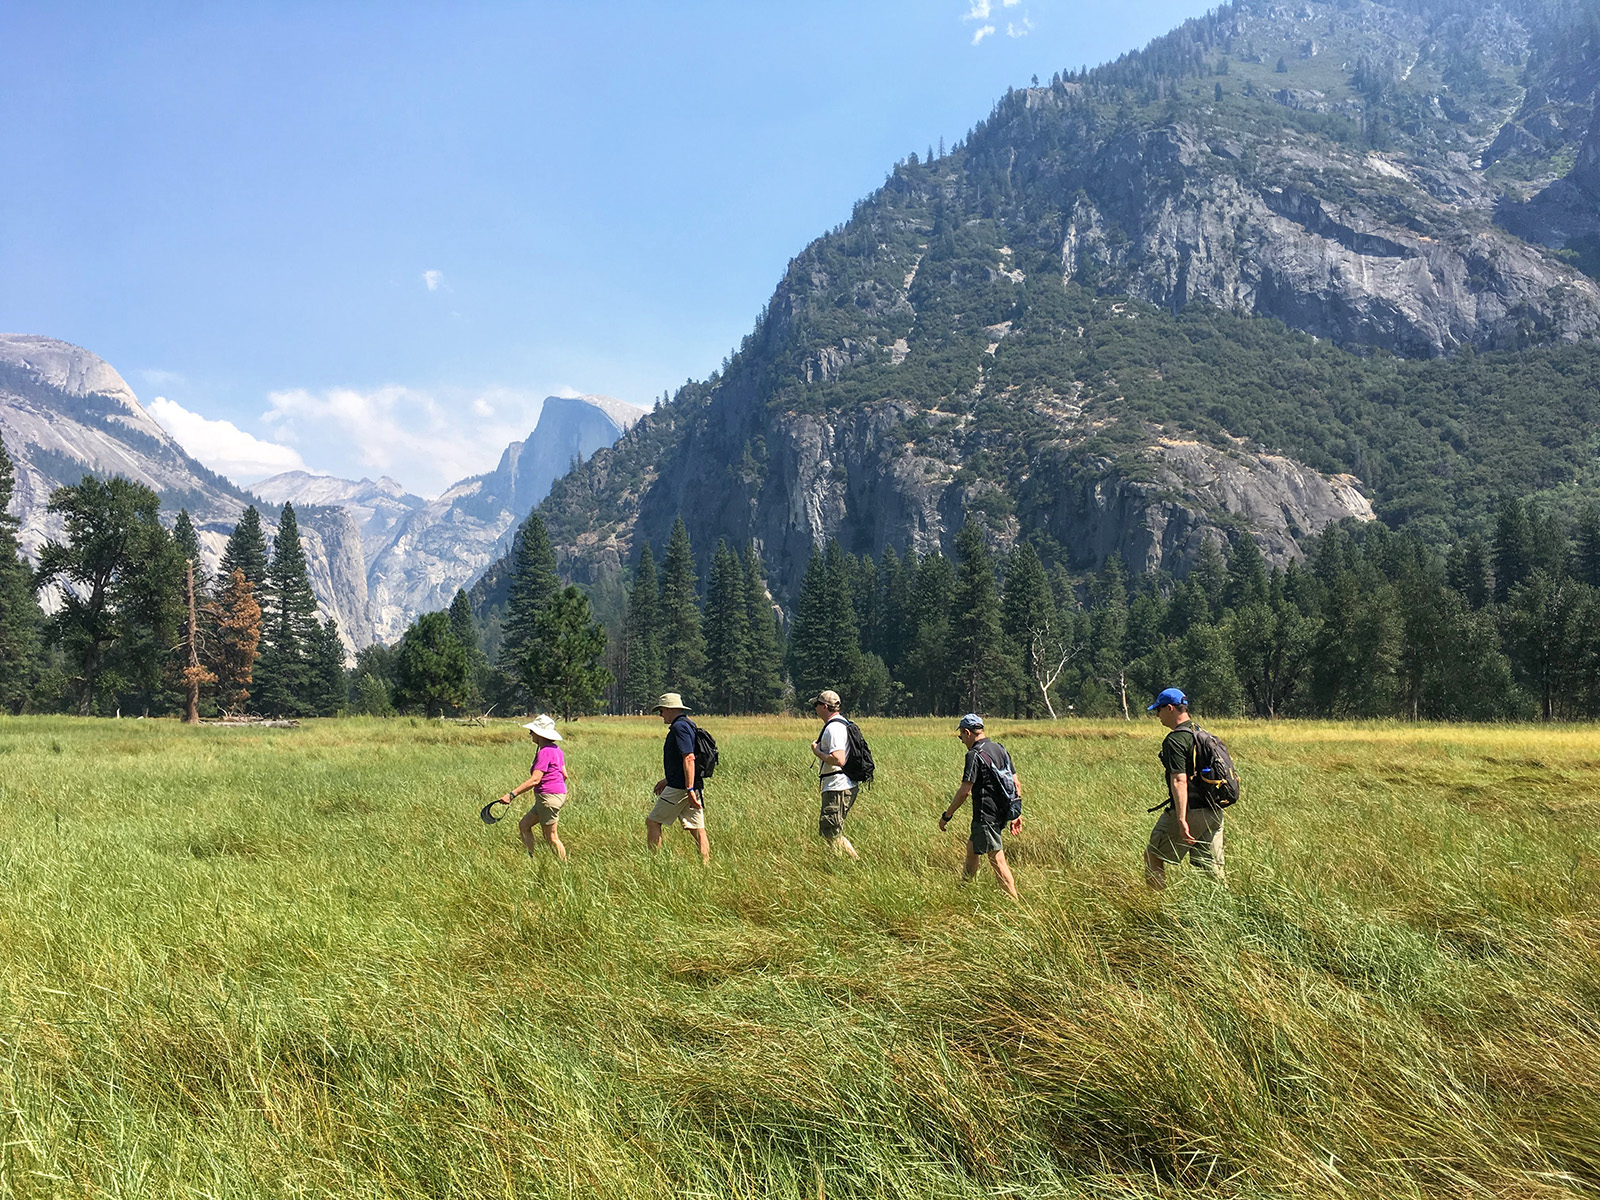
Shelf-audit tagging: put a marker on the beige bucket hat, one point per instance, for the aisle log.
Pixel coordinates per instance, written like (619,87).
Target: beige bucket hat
(544,726)
(671,700)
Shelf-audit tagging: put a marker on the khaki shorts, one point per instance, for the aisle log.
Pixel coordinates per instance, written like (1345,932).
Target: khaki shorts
(672,805)
(546,810)
(836,806)
(1167,844)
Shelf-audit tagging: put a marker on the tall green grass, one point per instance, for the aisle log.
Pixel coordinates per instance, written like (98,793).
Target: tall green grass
(294,963)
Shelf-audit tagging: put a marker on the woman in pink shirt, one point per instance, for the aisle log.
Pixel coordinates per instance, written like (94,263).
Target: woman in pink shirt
(547,780)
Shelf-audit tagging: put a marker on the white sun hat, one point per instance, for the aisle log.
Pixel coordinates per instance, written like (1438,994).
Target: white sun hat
(544,726)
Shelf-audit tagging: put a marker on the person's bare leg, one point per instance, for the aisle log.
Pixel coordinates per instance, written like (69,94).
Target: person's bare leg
(1155,871)
(969,869)
(841,845)
(525,832)
(1002,872)
(551,836)
(652,834)
(703,841)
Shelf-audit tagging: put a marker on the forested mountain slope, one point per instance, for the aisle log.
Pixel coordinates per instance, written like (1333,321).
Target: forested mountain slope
(1258,276)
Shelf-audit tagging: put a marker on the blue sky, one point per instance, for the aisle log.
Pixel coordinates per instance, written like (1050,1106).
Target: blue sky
(369,238)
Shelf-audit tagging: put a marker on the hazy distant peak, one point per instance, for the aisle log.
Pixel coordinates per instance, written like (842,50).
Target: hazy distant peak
(307,487)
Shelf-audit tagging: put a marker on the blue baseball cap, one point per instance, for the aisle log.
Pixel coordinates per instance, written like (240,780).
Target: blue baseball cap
(970,721)
(1170,696)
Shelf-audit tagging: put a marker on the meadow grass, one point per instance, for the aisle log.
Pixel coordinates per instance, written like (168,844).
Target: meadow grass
(241,962)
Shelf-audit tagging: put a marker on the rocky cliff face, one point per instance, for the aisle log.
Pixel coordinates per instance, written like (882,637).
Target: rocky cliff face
(65,413)
(1358,193)
(1366,173)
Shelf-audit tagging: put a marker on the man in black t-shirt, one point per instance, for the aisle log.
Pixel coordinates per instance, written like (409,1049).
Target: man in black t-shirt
(678,795)
(1184,829)
(990,805)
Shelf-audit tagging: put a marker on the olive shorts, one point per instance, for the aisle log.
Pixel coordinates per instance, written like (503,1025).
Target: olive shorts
(836,806)
(1167,844)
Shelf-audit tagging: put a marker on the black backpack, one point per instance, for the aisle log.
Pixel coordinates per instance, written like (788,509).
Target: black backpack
(1211,771)
(1004,775)
(858,765)
(705,755)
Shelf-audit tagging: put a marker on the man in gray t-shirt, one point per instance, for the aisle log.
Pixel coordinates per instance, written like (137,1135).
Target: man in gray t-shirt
(839,791)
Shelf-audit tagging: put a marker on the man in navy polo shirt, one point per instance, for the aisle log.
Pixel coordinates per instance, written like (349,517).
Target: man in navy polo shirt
(678,796)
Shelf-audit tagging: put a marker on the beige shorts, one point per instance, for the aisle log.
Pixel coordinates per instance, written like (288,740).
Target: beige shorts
(1167,843)
(546,810)
(672,805)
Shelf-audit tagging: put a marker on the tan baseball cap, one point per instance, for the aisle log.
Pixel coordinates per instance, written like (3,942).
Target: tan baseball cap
(831,699)
(671,700)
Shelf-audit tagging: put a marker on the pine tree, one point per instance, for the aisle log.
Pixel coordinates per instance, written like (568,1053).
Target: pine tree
(1247,572)
(1041,641)
(1210,575)
(825,645)
(1272,643)
(683,647)
(284,681)
(328,692)
(642,680)
(21,620)
(236,619)
(1467,571)
(247,551)
(894,589)
(1586,548)
(762,690)
(465,627)
(533,585)
(568,675)
(985,671)
(928,670)
(121,586)
(1108,616)
(1513,547)
(188,544)
(727,632)
(372,697)
(431,668)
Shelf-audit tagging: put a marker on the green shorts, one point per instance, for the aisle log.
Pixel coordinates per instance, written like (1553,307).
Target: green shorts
(836,806)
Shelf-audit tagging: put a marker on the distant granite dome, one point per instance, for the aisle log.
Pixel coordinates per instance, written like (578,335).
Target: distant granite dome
(446,544)
(376,554)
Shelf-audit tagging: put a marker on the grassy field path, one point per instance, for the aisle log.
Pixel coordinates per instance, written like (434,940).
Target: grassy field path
(240,963)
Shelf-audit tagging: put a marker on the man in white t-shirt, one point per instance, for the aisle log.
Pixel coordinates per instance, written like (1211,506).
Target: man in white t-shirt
(838,789)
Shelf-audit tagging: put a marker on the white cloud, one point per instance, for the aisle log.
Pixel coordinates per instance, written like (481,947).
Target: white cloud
(1010,3)
(979,11)
(1019,31)
(424,440)
(981,34)
(434,280)
(222,445)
